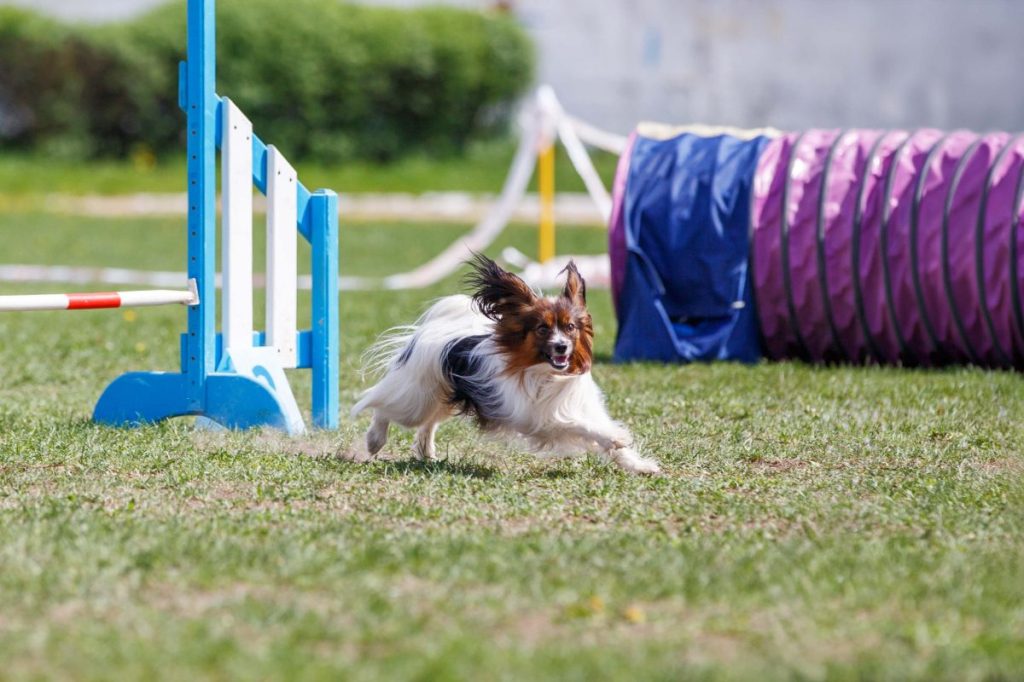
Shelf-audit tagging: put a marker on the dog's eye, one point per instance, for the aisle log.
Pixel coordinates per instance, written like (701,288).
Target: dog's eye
(543,330)
(570,327)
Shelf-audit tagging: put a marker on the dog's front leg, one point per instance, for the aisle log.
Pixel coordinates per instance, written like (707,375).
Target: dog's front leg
(616,444)
(632,461)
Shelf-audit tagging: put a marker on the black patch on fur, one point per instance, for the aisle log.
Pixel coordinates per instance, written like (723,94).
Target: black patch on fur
(462,368)
(407,351)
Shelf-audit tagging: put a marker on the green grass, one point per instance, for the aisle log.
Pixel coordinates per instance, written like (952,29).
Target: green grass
(812,523)
(482,169)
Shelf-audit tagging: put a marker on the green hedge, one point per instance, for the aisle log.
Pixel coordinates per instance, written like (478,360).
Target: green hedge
(319,78)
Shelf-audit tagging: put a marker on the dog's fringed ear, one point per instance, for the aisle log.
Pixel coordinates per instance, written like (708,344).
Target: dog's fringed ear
(497,292)
(575,287)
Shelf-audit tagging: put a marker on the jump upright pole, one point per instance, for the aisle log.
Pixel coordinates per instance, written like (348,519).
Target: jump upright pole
(243,384)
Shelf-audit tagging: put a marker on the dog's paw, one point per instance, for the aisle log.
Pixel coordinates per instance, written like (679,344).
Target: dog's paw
(644,465)
(424,453)
(621,437)
(376,437)
(634,463)
(355,455)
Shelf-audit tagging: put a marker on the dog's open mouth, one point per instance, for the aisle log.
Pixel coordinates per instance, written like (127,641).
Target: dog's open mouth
(559,362)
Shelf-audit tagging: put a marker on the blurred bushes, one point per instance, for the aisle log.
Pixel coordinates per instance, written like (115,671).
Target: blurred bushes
(319,78)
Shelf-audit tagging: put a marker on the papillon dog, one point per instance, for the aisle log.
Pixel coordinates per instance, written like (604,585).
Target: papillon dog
(518,362)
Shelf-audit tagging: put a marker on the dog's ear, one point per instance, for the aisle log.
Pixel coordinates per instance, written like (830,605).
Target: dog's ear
(497,292)
(575,287)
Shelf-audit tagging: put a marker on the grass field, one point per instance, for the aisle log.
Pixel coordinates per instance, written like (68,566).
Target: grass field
(812,523)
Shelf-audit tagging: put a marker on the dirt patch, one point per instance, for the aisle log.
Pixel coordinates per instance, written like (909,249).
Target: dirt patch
(316,444)
(781,465)
(1005,465)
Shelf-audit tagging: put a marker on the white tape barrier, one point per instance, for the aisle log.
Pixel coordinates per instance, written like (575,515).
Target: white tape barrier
(596,269)
(549,103)
(540,122)
(70,274)
(597,138)
(488,229)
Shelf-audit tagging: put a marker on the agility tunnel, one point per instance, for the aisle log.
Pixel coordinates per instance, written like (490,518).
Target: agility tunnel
(856,246)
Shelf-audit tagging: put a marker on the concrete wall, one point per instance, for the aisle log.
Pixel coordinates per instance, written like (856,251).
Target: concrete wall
(87,10)
(786,63)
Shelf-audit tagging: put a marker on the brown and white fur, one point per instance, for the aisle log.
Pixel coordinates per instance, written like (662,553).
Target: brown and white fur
(516,361)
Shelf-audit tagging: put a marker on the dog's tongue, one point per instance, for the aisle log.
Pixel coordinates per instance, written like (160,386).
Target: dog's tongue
(560,359)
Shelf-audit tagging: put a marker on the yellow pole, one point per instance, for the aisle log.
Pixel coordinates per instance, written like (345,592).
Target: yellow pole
(546,186)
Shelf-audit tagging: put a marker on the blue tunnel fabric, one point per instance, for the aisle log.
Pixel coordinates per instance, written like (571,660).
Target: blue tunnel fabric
(686,294)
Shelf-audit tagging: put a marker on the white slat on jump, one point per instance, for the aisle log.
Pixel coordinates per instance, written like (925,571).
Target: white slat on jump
(236,245)
(282,240)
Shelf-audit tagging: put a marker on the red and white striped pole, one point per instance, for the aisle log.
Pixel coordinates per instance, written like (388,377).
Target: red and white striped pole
(100,299)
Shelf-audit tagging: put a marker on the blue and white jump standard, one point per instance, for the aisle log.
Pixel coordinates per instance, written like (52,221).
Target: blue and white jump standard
(236,378)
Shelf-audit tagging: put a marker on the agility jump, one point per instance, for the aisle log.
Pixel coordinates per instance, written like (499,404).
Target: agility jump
(236,377)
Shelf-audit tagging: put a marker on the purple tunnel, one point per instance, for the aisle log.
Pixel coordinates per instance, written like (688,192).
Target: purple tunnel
(889,246)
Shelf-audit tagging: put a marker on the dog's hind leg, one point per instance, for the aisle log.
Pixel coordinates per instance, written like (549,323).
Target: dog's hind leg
(423,447)
(377,434)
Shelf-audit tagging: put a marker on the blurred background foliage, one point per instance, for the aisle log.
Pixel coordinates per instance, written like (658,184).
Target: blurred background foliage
(324,80)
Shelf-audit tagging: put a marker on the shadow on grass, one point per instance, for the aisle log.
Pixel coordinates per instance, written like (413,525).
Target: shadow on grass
(556,474)
(441,466)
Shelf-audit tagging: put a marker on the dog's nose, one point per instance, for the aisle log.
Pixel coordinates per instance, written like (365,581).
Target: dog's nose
(561,348)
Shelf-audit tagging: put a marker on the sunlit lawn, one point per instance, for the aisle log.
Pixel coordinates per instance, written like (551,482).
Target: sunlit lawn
(812,523)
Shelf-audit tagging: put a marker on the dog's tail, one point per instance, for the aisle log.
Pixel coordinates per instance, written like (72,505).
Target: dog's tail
(446,317)
(382,356)
(388,346)
(361,405)
(395,344)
